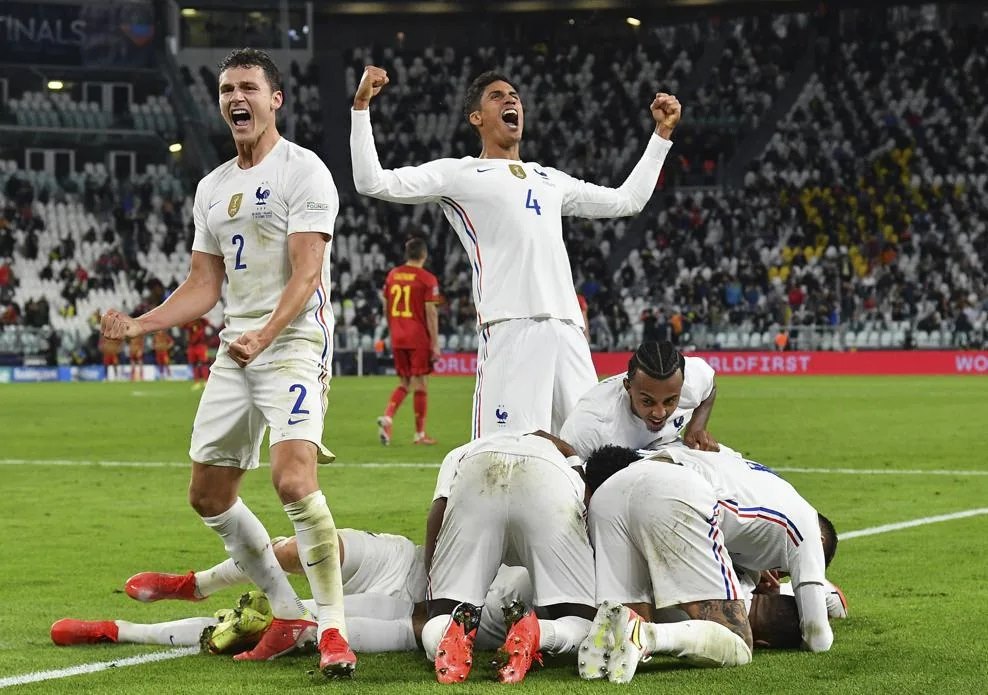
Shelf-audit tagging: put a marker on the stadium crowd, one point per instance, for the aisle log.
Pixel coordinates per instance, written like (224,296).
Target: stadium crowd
(862,223)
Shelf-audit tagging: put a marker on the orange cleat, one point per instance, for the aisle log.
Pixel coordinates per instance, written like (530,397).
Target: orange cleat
(424,439)
(149,587)
(67,632)
(283,637)
(336,659)
(384,429)
(454,655)
(521,647)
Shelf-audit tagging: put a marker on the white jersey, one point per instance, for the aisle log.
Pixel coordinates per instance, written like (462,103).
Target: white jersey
(508,216)
(513,443)
(245,216)
(766,523)
(604,416)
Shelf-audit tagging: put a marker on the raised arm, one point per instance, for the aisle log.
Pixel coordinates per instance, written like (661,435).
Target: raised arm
(590,200)
(419,184)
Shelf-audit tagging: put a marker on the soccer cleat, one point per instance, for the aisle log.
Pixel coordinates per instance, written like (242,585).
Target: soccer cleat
(66,632)
(423,438)
(836,602)
(598,644)
(149,587)
(384,429)
(336,659)
(240,628)
(521,646)
(628,650)
(454,655)
(282,637)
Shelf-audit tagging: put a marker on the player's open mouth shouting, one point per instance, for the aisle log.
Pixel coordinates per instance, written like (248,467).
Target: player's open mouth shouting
(510,117)
(241,118)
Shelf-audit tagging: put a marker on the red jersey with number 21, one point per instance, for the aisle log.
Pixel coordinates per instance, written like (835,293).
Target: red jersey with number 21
(406,291)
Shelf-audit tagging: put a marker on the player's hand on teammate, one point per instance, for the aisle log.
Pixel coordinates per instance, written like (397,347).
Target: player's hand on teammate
(371,84)
(700,439)
(666,110)
(244,349)
(115,325)
(768,583)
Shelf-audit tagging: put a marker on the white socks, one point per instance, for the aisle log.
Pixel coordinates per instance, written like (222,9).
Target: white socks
(369,635)
(703,642)
(563,635)
(432,634)
(319,553)
(177,633)
(249,545)
(220,577)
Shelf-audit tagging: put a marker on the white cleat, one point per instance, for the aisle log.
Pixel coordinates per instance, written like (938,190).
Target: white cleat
(628,651)
(598,644)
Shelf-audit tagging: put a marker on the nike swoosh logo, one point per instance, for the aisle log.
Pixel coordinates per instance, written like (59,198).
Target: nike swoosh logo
(481,171)
(295,422)
(313,564)
(212,205)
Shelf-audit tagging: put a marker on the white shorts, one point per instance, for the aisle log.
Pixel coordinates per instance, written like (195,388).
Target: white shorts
(238,405)
(519,510)
(655,532)
(530,374)
(382,563)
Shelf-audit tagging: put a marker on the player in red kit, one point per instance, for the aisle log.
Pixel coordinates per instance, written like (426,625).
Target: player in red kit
(411,294)
(195,351)
(163,342)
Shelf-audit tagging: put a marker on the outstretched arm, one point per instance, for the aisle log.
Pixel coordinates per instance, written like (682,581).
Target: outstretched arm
(589,200)
(419,184)
(811,600)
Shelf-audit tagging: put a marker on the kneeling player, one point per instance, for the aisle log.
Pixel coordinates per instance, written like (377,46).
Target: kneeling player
(658,545)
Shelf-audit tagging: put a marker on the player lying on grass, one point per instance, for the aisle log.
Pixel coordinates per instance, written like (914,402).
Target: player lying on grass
(382,618)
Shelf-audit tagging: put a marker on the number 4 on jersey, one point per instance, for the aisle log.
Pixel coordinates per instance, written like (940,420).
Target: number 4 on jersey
(532,203)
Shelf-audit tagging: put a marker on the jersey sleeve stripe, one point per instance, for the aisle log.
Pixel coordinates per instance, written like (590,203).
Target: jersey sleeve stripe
(478,263)
(765,514)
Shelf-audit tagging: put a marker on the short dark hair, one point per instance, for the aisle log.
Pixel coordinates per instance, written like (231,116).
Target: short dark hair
(829,535)
(471,101)
(252,58)
(415,249)
(658,359)
(778,622)
(605,462)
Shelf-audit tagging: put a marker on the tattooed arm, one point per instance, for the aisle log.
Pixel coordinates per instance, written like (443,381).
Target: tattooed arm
(730,614)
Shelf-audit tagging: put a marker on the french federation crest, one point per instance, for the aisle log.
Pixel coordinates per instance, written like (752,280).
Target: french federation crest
(517,170)
(234,207)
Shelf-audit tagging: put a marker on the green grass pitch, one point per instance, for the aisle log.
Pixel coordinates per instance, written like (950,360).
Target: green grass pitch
(72,533)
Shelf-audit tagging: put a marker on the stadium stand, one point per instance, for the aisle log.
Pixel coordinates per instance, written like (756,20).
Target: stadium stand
(859,222)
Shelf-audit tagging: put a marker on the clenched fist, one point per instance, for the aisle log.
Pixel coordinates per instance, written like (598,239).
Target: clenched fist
(371,84)
(244,349)
(666,110)
(115,325)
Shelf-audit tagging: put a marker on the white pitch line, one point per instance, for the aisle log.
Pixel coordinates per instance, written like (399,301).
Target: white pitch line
(177,464)
(94,668)
(923,521)
(186,651)
(877,471)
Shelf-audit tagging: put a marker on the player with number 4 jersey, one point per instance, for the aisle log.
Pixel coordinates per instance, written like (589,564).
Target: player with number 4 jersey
(533,360)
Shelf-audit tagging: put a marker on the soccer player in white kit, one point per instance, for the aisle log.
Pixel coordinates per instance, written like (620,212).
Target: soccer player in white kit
(264,221)
(661,393)
(515,499)
(658,545)
(533,360)
(768,525)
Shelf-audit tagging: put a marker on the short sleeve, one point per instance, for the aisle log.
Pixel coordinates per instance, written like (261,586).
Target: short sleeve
(447,472)
(698,382)
(432,293)
(582,431)
(203,241)
(312,198)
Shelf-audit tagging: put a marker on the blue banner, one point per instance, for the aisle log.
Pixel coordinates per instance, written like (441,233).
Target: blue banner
(120,34)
